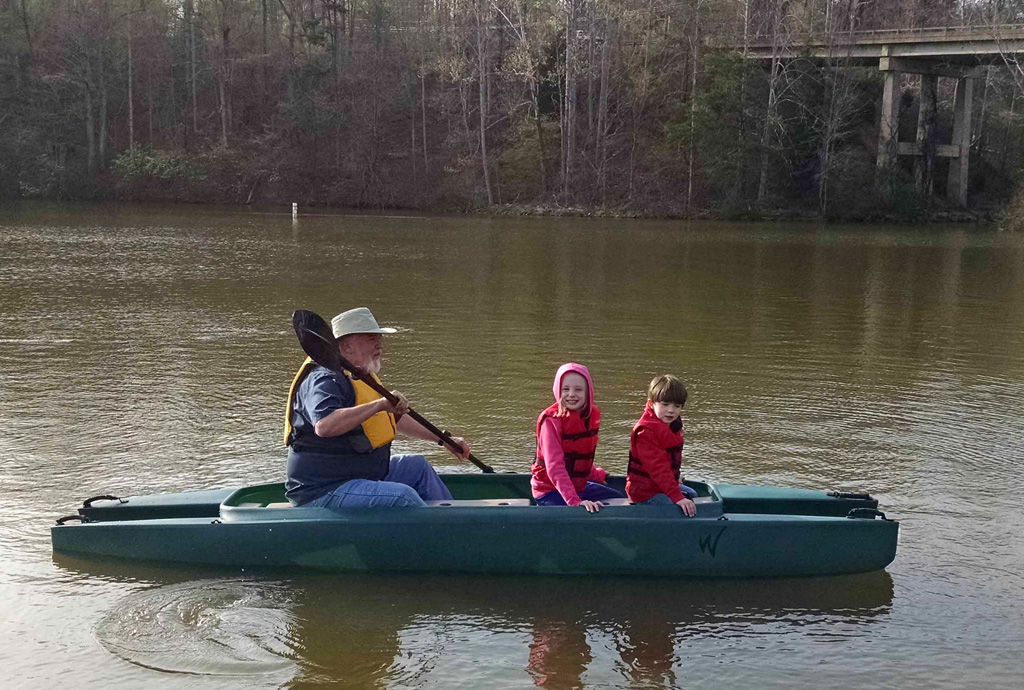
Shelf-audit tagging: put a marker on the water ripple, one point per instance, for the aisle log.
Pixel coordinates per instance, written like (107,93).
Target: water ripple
(212,627)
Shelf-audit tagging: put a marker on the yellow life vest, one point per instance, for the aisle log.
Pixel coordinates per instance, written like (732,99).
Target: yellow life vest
(379,429)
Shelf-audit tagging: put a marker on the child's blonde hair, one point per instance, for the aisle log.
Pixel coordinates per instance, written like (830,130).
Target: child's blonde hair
(667,389)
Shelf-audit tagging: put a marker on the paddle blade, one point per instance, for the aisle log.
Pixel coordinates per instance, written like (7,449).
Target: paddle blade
(316,339)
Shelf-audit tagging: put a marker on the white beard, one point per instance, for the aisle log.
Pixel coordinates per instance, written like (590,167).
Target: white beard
(374,366)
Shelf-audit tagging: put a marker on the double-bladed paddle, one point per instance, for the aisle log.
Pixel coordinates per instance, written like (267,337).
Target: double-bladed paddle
(318,342)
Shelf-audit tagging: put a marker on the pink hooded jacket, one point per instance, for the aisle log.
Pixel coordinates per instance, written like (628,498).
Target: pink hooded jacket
(554,475)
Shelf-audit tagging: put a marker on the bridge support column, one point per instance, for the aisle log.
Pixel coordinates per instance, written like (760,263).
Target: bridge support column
(888,130)
(924,164)
(956,183)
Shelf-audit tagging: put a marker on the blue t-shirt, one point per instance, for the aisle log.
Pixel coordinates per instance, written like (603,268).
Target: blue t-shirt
(317,466)
(319,394)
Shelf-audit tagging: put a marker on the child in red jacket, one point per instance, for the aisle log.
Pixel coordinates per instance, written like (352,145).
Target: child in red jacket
(563,471)
(656,448)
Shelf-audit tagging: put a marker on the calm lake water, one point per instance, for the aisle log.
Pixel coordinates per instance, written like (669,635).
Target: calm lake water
(149,349)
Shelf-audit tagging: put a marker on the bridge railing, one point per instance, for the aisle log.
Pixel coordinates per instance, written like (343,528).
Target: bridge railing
(876,36)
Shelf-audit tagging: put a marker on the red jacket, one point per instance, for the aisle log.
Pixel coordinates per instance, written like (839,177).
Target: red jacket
(572,456)
(655,457)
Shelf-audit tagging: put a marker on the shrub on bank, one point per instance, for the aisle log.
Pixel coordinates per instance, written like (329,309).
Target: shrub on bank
(154,173)
(211,174)
(1013,216)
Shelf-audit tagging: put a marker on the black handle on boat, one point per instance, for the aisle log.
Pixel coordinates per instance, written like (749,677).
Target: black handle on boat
(317,341)
(869,513)
(106,497)
(839,494)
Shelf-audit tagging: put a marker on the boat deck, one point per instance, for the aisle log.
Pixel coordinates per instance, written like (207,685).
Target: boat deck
(473,503)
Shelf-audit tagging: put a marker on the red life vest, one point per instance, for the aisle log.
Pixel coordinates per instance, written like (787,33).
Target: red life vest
(669,437)
(579,442)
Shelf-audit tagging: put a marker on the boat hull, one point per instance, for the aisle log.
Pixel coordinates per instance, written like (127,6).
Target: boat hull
(249,531)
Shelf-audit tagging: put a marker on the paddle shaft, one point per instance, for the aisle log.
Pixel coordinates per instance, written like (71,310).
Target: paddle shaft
(442,437)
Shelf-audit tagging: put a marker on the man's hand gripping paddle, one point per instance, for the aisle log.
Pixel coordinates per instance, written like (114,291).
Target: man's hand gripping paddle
(317,341)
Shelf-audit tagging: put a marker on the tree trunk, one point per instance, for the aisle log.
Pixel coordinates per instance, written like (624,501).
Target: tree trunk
(90,128)
(423,108)
(541,155)
(569,109)
(481,45)
(464,102)
(102,144)
(762,181)
(149,103)
(28,33)
(190,18)
(223,109)
(776,19)
(602,117)
(641,102)
(693,103)
(979,136)
(1006,133)
(590,72)
(131,93)
(225,86)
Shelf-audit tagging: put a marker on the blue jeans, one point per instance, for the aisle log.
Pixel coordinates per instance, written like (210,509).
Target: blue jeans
(410,482)
(663,500)
(593,491)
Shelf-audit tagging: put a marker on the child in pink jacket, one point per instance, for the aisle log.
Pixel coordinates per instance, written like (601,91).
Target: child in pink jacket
(563,471)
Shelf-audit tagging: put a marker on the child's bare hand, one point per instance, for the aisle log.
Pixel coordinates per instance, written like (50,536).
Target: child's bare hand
(591,506)
(688,507)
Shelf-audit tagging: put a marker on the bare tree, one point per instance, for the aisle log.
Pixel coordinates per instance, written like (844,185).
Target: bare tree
(777,26)
(526,63)
(833,119)
(481,52)
(571,68)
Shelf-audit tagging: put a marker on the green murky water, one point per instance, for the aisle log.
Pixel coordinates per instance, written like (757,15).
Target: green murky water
(149,349)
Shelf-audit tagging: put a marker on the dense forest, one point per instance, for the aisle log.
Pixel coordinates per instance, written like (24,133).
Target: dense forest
(617,106)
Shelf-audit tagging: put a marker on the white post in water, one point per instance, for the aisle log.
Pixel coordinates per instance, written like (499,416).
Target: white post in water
(295,211)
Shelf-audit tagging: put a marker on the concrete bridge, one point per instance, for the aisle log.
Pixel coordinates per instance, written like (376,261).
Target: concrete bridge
(960,53)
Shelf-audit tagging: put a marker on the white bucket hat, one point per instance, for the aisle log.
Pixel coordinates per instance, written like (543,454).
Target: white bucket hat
(358,320)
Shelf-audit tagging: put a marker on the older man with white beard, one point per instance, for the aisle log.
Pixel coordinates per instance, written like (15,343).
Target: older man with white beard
(339,431)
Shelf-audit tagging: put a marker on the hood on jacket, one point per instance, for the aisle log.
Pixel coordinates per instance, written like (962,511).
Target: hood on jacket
(573,367)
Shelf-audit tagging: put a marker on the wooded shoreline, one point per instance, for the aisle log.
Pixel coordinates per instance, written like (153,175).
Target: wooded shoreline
(612,108)
(976,216)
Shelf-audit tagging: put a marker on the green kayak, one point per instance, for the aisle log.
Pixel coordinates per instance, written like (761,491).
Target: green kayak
(492,526)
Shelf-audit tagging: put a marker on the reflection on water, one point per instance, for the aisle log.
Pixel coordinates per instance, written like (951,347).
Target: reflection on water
(387,630)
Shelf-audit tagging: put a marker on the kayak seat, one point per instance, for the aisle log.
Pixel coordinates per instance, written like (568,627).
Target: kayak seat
(480,502)
(284,504)
(488,502)
(625,501)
